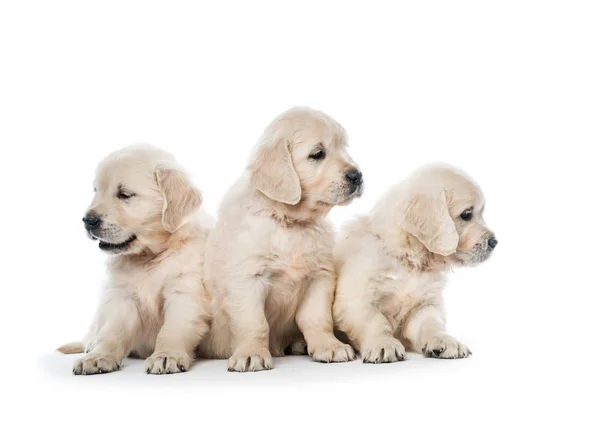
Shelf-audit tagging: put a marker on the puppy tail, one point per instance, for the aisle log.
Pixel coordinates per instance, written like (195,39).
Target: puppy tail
(71,348)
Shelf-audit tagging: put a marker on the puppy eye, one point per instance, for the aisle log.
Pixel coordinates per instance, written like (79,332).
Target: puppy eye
(123,195)
(466,215)
(317,154)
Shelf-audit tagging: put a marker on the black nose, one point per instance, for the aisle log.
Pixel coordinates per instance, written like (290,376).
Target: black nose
(492,242)
(354,176)
(91,220)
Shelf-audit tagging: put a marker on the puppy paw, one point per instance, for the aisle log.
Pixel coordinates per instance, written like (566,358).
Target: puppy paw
(332,352)
(250,362)
(165,363)
(383,351)
(297,348)
(96,363)
(445,347)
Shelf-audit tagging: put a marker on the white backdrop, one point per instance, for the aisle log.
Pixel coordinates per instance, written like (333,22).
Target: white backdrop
(509,91)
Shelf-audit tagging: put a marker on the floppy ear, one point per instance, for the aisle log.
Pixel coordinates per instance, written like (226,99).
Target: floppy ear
(272,171)
(181,199)
(425,215)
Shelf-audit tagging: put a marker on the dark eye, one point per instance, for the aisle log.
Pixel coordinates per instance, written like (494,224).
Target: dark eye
(124,195)
(466,215)
(317,154)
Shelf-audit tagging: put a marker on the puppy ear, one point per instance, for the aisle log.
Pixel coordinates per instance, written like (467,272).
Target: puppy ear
(425,215)
(272,171)
(181,199)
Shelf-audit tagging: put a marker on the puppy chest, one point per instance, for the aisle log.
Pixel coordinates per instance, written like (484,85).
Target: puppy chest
(290,266)
(293,266)
(296,259)
(145,289)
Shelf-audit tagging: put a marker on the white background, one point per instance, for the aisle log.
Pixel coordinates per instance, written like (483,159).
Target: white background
(509,91)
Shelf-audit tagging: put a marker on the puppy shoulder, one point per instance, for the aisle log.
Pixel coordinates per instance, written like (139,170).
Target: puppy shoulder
(352,235)
(356,228)
(356,247)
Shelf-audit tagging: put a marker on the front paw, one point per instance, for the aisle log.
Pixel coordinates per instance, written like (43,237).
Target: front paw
(165,363)
(335,351)
(445,347)
(250,362)
(96,363)
(383,351)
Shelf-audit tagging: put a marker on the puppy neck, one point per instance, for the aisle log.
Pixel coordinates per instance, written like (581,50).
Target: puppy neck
(301,215)
(400,244)
(159,246)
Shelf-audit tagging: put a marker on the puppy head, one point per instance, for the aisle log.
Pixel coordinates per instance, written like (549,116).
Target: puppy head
(141,196)
(443,208)
(301,159)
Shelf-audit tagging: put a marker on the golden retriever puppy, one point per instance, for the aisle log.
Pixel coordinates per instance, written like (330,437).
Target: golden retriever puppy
(269,260)
(145,215)
(392,263)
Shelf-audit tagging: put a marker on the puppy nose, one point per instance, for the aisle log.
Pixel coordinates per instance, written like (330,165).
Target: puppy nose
(354,176)
(91,220)
(492,242)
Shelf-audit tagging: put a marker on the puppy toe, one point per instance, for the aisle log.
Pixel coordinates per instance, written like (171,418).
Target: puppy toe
(333,352)
(166,363)
(463,351)
(385,351)
(445,347)
(250,362)
(96,363)
(343,353)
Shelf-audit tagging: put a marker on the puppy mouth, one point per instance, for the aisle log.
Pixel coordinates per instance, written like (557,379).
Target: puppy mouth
(357,190)
(354,191)
(340,196)
(481,254)
(114,247)
(107,246)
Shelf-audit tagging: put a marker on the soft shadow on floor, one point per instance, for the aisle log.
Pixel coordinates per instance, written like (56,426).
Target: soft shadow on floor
(296,370)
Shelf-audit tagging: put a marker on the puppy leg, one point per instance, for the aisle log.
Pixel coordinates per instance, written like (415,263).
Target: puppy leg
(118,322)
(369,329)
(249,326)
(426,331)
(186,323)
(315,320)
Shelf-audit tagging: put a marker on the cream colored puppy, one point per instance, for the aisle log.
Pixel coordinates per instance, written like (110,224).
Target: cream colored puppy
(145,215)
(269,260)
(392,265)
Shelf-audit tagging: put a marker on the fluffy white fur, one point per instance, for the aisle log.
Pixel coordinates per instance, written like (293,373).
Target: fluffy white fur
(392,263)
(269,261)
(154,305)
